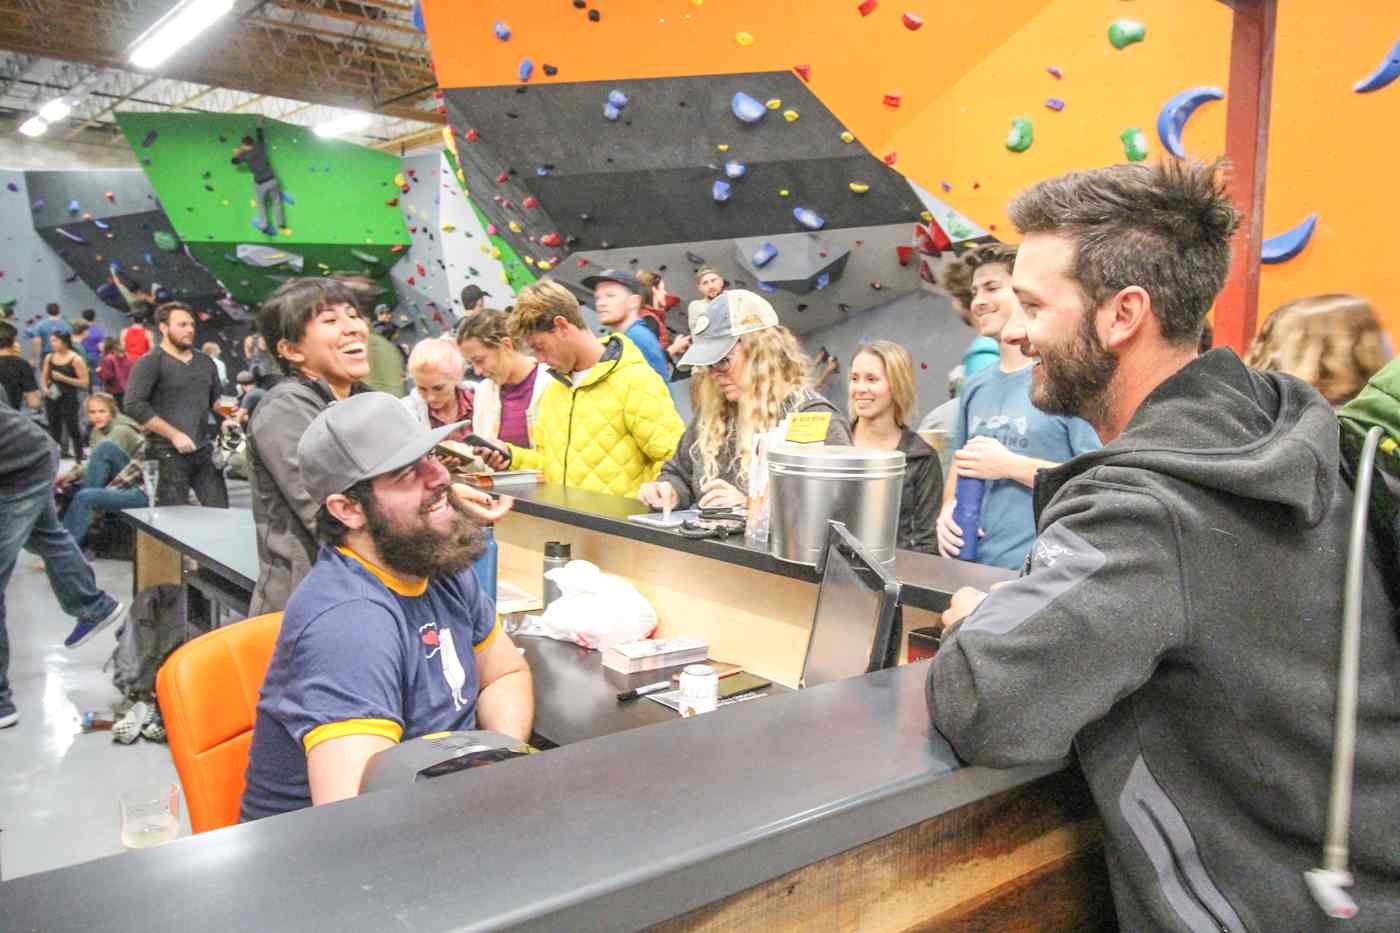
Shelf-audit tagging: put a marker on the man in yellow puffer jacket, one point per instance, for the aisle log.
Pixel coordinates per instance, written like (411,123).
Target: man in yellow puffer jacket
(606,422)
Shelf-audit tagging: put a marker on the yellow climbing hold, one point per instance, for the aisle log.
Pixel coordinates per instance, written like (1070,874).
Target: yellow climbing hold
(285,231)
(790,115)
(774,103)
(783,192)
(544,265)
(515,226)
(486,247)
(723,147)
(529,260)
(253,204)
(495,252)
(448,228)
(226,204)
(743,38)
(399,180)
(505,278)
(847,136)
(926,217)
(859,187)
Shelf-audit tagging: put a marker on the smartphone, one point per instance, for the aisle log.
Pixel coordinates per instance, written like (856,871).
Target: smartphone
(476,440)
(743,682)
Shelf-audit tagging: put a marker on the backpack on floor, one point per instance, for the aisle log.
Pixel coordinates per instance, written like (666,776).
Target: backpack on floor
(158,624)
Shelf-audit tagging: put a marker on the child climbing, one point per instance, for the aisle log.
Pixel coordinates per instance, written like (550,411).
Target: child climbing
(253,153)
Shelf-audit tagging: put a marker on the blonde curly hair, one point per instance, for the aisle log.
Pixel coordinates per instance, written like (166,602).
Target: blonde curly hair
(1332,342)
(774,368)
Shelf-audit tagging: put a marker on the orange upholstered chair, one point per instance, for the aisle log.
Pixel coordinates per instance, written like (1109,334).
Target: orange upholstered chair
(208,692)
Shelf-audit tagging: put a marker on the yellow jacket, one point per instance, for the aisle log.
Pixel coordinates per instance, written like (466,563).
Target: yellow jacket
(611,432)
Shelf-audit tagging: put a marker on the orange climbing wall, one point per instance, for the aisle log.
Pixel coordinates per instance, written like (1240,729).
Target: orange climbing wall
(973,67)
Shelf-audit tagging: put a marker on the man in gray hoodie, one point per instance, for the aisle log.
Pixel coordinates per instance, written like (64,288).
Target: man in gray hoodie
(1178,625)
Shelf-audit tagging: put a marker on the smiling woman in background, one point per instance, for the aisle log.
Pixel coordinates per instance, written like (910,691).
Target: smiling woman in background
(511,381)
(757,375)
(883,400)
(319,339)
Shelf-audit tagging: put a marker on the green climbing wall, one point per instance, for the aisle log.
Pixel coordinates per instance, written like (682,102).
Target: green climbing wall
(339,217)
(518,274)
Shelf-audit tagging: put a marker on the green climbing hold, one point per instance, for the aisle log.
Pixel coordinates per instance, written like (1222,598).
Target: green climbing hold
(364,257)
(959,230)
(1021,136)
(166,240)
(1124,32)
(1134,144)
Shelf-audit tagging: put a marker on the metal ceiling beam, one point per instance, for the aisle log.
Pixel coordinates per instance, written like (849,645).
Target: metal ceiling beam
(92,120)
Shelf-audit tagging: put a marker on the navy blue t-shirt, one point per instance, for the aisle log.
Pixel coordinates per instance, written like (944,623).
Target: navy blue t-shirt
(363,653)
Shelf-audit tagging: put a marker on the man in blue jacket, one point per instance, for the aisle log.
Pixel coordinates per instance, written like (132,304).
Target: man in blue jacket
(1179,624)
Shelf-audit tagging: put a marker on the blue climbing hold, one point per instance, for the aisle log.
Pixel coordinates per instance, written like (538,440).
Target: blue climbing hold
(611,112)
(617,99)
(288,199)
(747,108)
(809,218)
(527,68)
(1288,244)
(149,260)
(765,287)
(12,186)
(735,169)
(74,207)
(1171,120)
(823,280)
(39,204)
(102,225)
(721,191)
(501,30)
(418,23)
(542,171)
(764,255)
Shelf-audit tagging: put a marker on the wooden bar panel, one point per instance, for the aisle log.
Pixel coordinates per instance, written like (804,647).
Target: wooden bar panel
(1029,859)
(155,563)
(759,620)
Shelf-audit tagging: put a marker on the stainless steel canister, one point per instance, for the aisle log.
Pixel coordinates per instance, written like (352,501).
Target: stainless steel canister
(809,485)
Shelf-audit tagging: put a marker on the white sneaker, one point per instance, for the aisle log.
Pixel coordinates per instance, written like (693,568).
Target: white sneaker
(128,728)
(9,719)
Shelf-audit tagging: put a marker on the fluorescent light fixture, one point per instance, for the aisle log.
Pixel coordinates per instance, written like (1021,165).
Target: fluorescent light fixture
(343,125)
(186,20)
(34,126)
(55,110)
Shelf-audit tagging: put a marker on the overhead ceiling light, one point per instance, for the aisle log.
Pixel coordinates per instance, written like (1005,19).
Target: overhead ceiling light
(342,125)
(34,126)
(55,110)
(175,29)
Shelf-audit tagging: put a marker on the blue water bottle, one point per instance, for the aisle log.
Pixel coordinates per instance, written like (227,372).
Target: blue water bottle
(967,513)
(485,565)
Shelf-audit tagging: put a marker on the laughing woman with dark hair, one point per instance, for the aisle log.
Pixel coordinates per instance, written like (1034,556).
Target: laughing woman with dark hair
(319,339)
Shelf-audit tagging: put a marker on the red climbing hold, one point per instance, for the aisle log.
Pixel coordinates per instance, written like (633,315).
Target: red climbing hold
(551,239)
(867,7)
(891,158)
(503,177)
(396,248)
(905,254)
(913,22)
(931,240)
(530,201)
(392,202)
(803,71)
(471,136)
(923,366)
(892,99)
(421,270)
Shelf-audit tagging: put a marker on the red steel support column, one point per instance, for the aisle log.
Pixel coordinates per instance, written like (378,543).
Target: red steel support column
(1247,147)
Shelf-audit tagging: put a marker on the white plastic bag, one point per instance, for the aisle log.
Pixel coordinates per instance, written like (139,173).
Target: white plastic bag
(594,609)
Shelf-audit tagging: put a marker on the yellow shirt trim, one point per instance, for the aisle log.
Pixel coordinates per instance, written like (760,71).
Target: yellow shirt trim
(489,635)
(385,728)
(404,586)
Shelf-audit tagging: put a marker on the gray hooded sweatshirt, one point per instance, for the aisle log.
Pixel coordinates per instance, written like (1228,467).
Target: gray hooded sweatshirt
(1179,627)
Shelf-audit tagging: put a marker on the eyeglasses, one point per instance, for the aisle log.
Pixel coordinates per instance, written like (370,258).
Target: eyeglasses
(722,365)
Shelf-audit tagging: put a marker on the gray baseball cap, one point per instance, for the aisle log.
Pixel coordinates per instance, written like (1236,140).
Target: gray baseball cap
(716,329)
(364,436)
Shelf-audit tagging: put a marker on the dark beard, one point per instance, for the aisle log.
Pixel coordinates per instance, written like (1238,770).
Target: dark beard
(1076,384)
(424,551)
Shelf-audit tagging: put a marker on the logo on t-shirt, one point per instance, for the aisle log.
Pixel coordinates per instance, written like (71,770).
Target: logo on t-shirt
(439,642)
(1009,430)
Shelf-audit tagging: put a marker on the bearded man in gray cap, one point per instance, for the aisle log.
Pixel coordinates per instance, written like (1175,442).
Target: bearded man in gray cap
(390,636)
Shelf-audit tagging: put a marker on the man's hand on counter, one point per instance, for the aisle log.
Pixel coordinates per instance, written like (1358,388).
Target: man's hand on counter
(960,607)
(480,505)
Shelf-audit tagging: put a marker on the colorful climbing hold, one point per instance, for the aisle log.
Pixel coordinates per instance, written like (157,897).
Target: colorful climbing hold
(594,16)
(744,39)
(747,108)
(783,192)
(392,202)
(890,158)
(913,22)
(74,207)
(490,229)
(501,30)
(773,103)
(1134,144)
(503,177)
(514,226)
(764,255)
(526,69)
(544,265)
(859,187)
(735,169)
(1054,72)
(149,138)
(449,228)
(904,254)
(617,99)
(723,147)
(1125,32)
(1020,136)
(790,115)
(530,202)
(71,236)
(945,186)
(721,190)
(892,99)
(847,136)
(550,70)
(611,112)
(110,196)
(1055,104)
(803,71)
(165,240)
(472,136)
(867,7)
(809,218)
(550,239)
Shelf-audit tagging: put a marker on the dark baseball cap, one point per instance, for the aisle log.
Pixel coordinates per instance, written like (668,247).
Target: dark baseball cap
(625,279)
(364,436)
(471,295)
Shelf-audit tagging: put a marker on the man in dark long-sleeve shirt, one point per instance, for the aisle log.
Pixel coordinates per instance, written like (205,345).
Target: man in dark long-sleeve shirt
(170,394)
(253,153)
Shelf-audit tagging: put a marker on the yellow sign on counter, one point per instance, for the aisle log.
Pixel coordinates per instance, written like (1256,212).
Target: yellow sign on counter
(808,427)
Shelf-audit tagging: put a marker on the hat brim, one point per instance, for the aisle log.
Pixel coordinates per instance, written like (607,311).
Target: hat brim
(413,451)
(707,352)
(593,281)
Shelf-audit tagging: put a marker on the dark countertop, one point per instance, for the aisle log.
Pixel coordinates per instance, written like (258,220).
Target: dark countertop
(928,581)
(224,539)
(614,833)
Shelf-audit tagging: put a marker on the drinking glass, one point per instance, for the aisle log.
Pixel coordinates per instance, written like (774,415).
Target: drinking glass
(150,478)
(150,815)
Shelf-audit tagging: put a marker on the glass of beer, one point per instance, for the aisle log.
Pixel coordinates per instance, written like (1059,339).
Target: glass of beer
(150,815)
(226,406)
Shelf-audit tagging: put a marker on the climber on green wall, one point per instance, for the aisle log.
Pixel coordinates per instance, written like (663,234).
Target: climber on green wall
(253,153)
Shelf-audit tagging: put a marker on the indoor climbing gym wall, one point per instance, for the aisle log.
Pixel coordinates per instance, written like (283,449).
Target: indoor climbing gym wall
(340,201)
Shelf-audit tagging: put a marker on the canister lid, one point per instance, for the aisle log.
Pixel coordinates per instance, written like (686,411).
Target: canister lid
(835,456)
